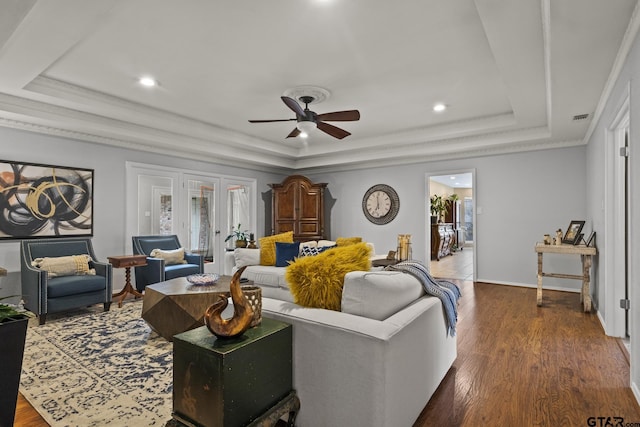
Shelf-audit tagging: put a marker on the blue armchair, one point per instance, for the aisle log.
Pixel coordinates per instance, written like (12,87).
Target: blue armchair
(44,294)
(156,269)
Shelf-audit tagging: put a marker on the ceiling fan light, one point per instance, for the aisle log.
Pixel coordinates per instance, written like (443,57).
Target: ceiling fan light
(306,126)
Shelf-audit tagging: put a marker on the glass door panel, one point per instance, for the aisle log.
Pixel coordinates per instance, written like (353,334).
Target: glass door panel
(201,217)
(239,199)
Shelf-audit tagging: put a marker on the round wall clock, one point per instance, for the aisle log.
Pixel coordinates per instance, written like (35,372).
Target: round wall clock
(380,204)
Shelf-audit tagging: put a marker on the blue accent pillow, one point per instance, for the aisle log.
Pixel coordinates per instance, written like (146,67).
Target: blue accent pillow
(286,252)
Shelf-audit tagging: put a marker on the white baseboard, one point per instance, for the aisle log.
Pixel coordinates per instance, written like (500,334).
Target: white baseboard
(636,391)
(529,285)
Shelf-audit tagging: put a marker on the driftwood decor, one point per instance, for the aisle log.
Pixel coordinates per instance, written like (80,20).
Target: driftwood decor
(242,313)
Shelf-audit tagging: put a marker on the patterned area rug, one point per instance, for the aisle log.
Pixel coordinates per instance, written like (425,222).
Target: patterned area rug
(99,369)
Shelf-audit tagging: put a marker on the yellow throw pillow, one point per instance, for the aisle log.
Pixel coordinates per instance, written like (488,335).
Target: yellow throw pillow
(268,246)
(170,257)
(73,265)
(344,241)
(317,281)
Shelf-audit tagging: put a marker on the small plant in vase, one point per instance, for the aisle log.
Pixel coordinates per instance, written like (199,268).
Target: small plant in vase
(240,236)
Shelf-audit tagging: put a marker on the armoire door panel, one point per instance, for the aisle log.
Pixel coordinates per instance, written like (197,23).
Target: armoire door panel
(299,203)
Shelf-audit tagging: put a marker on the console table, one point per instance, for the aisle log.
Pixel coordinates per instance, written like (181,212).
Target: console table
(442,240)
(586,253)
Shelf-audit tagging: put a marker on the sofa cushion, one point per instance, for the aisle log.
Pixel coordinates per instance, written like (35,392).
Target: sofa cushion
(286,253)
(268,247)
(266,275)
(170,256)
(245,257)
(180,270)
(74,265)
(59,287)
(380,294)
(317,281)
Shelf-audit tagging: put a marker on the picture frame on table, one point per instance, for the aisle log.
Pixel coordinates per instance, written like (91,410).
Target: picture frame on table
(573,232)
(591,241)
(579,240)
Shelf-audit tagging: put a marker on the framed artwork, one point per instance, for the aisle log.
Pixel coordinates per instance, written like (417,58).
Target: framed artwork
(44,201)
(573,232)
(591,241)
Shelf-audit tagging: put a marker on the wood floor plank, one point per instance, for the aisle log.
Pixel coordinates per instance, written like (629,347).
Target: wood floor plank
(518,365)
(523,365)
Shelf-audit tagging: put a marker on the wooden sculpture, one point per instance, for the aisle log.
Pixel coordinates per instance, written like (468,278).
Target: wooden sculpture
(242,312)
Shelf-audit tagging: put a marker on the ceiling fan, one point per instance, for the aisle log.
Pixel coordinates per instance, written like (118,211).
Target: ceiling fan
(309,120)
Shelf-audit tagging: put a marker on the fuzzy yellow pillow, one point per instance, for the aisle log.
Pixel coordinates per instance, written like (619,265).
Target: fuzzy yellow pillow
(317,281)
(344,241)
(268,247)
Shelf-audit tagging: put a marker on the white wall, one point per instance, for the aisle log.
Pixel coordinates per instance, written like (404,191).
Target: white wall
(626,84)
(521,196)
(109,188)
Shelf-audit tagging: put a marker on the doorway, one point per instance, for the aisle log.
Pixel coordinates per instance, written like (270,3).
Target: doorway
(617,225)
(197,207)
(451,233)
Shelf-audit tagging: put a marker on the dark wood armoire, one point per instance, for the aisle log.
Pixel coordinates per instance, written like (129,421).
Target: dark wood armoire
(298,205)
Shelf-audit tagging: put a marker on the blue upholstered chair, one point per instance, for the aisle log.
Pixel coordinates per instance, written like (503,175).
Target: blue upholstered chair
(156,269)
(43,294)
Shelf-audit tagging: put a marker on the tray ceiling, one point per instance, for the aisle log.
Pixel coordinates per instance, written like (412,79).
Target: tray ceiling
(512,74)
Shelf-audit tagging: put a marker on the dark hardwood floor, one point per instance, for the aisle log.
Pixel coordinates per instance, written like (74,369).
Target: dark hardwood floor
(518,365)
(523,365)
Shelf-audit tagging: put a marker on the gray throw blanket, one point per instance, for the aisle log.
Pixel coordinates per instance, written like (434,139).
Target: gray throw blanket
(447,292)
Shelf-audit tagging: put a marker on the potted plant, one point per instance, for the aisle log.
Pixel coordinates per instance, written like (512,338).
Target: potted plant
(240,236)
(13,331)
(438,207)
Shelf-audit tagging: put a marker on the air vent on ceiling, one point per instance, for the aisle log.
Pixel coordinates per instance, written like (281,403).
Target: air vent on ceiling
(580,117)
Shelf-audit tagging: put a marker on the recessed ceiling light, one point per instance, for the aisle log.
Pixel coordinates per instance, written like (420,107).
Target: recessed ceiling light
(452,177)
(147,81)
(439,107)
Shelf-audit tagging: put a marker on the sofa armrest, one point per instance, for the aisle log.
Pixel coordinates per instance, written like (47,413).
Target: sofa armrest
(153,272)
(384,370)
(195,259)
(229,263)
(105,270)
(34,290)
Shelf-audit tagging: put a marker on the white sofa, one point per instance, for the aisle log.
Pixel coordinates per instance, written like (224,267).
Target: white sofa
(375,363)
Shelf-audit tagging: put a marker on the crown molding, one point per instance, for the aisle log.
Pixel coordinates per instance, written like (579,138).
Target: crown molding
(80,101)
(621,58)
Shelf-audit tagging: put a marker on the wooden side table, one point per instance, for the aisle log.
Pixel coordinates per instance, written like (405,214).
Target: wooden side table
(585,252)
(3,272)
(126,262)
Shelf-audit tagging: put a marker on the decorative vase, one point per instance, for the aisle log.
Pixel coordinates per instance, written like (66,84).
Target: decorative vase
(241,243)
(254,296)
(242,311)
(12,337)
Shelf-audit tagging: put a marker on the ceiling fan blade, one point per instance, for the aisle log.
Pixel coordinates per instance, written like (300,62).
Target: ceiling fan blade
(295,132)
(335,132)
(340,116)
(269,121)
(293,104)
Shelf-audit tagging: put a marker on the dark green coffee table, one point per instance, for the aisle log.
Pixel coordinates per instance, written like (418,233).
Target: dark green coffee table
(241,381)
